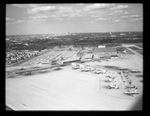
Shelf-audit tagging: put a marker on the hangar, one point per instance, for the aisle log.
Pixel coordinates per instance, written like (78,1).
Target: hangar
(101,52)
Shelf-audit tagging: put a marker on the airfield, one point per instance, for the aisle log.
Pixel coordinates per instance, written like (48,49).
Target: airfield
(65,88)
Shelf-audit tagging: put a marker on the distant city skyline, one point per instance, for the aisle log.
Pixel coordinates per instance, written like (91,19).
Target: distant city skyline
(72,18)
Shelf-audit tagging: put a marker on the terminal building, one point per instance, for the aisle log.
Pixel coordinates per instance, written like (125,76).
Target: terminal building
(105,51)
(101,46)
(101,53)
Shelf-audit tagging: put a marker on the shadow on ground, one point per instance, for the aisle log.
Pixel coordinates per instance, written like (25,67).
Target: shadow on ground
(57,69)
(140,76)
(117,68)
(43,72)
(11,76)
(141,81)
(29,73)
(105,87)
(8,109)
(138,105)
(106,81)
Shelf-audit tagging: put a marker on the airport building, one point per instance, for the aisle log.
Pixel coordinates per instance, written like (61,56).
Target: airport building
(104,52)
(100,53)
(101,46)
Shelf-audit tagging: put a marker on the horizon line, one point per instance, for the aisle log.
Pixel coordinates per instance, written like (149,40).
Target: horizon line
(72,32)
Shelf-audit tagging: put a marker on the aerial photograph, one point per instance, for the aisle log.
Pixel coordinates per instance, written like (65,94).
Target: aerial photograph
(74,57)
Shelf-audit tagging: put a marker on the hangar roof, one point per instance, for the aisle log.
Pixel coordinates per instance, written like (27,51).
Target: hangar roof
(105,50)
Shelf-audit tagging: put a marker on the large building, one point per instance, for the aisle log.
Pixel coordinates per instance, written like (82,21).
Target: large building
(87,57)
(108,50)
(101,46)
(101,52)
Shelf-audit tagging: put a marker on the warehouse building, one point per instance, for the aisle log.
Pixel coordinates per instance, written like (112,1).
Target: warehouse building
(87,57)
(104,52)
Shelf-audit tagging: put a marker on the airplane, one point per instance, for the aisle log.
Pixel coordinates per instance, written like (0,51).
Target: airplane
(135,71)
(129,86)
(110,80)
(91,69)
(86,69)
(83,67)
(110,77)
(131,93)
(99,71)
(110,86)
(75,66)
(96,72)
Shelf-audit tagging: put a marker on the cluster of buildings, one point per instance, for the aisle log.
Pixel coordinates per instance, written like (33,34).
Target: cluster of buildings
(101,52)
(15,56)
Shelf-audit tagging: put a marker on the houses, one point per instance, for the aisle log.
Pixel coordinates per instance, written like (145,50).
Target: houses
(15,56)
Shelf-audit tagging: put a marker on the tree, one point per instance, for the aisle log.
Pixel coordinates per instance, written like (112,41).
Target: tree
(74,40)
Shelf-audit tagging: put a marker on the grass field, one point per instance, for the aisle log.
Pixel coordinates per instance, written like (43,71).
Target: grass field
(141,46)
(79,54)
(134,48)
(140,51)
(121,49)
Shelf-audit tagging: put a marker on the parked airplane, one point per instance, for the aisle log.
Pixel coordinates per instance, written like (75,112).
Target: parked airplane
(115,86)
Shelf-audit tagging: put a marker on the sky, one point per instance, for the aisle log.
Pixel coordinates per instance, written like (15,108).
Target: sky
(80,18)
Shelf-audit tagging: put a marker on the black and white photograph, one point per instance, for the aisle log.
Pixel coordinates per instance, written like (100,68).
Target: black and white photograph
(74,57)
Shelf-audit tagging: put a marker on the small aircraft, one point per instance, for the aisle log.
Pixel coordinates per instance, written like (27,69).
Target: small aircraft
(86,69)
(115,86)
(75,66)
(131,93)
(91,69)
(99,71)
(135,71)
(129,86)
(110,80)
(110,77)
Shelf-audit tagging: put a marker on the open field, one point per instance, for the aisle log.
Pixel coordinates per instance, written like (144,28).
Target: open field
(141,46)
(134,48)
(140,51)
(121,49)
